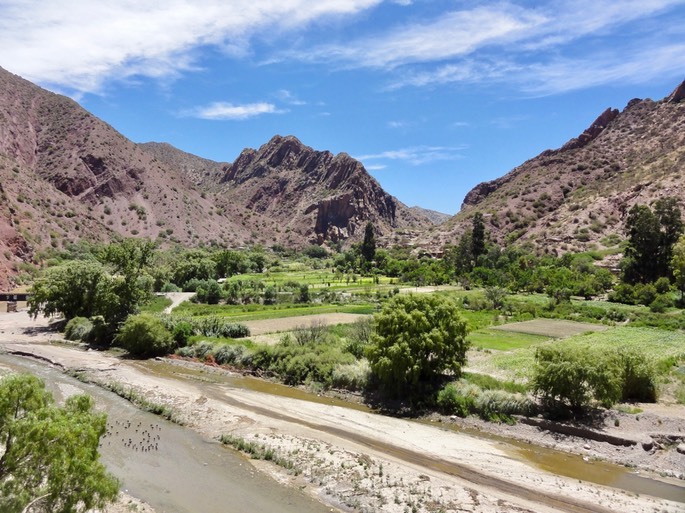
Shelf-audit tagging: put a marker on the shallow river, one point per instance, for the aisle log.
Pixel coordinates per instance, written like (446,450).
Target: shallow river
(171,468)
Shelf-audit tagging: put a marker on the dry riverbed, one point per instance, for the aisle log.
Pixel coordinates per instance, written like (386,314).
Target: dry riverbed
(352,460)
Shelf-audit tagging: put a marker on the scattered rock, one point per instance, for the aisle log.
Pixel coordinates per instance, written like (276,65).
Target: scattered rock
(648,445)
(681,448)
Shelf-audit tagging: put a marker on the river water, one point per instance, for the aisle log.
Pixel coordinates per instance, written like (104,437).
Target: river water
(171,468)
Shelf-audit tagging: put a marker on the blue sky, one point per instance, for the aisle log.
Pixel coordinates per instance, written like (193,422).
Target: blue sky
(433,96)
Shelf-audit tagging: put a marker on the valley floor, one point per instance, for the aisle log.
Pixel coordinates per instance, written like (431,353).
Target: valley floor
(351,460)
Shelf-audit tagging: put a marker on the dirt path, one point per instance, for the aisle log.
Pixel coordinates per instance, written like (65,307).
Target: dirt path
(351,459)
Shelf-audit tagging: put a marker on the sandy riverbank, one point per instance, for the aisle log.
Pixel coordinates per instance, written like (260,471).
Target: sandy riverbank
(350,459)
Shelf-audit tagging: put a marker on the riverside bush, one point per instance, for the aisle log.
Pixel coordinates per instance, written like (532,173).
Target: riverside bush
(78,329)
(463,398)
(145,335)
(210,326)
(296,364)
(574,376)
(352,376)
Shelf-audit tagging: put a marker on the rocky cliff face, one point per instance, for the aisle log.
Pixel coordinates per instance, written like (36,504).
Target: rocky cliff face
(576,197)
(65,175)
(328,197)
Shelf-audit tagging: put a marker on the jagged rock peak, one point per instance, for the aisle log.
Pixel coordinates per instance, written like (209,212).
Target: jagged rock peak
(590,133)
(678,94)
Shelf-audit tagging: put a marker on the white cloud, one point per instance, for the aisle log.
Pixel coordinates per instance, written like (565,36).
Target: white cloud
(287,97)
(551,47)
(78,44)
(229,111)
(375,167)
(451,35)
(415,155)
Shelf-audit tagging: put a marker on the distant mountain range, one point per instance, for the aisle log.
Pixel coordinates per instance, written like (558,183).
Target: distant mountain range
(65,176)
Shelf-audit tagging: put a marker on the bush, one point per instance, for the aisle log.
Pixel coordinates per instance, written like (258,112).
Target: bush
(463,398)
(170,287)
(209,292)
(660,304)
(78,329)
(496,404)
(211,326)
(662,285)
(145,335)
(352,376)
(645,294)
(574,376)
(454,400)
(182,331)
(229,354)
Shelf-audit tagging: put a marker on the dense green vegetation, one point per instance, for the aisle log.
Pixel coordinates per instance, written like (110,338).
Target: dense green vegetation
(415,347)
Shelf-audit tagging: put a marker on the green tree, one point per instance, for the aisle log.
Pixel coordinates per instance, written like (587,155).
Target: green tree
(417,339)
(50,454)
(70,289)
(678,267)
(368,247)
(651,236)
(477,237)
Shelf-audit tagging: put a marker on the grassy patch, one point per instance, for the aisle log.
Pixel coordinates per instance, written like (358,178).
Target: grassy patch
(258,451)
(664,348)
(260,312)
(502,340)
(156,305)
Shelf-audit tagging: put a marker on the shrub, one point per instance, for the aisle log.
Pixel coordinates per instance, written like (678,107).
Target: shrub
(495,404)
(662,285)
(315,333)
(575,376)
(145,335)
(454,400)
(639,377)
(660,304)
(352,376)
(229,354)
(359,337)
(78,329)
(182,331)
(209,292)
(170,287)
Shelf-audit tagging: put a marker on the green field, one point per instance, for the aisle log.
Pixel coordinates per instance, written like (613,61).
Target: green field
(254,312)
(502,340)
(662,347)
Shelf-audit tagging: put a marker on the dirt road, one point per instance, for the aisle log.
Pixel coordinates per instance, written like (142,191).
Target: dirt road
(351,459)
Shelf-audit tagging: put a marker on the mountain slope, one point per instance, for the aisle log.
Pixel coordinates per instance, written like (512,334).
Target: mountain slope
(65,175)
(575,197)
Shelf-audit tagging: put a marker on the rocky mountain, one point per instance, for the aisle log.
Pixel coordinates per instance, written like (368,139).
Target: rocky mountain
(577,197)
(65,175)
(433,216)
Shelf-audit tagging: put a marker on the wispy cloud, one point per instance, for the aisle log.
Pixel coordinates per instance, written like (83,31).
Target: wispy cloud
(415,155)
(287,97)
(451,35)
(230,111)
(552,47)
(78,44)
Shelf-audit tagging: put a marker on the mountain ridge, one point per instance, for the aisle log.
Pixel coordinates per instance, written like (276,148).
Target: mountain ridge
(577,196)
